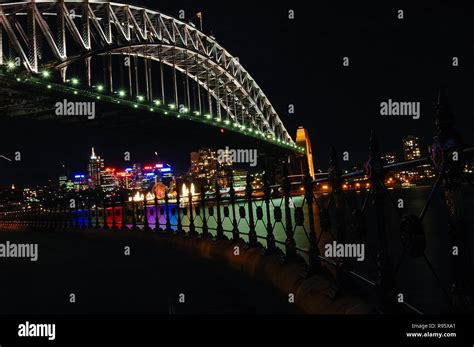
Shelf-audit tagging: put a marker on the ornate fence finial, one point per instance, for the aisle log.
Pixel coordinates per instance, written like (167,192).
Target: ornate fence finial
(374,166)
(334,172)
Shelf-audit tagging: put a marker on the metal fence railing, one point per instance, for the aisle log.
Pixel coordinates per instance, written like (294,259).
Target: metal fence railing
(411,261)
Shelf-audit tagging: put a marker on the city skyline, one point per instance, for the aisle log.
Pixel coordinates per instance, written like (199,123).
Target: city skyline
(341,118)
(80,165)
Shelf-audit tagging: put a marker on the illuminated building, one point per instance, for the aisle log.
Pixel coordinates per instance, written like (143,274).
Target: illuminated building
(108,181)
(165,172)
(302,140)
(62,181)
(137,176)
(30,195)
(240,179)
(124,178)
(152,174)
(389,158)
(80,182)
(411,148)
(206,169)
(95,166)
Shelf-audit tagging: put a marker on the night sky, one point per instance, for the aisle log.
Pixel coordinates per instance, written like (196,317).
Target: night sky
(300,62)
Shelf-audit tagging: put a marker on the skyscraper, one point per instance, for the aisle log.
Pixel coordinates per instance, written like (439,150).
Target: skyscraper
(205,167)
(411,148)
(108,180)
(389,158)
(96,164)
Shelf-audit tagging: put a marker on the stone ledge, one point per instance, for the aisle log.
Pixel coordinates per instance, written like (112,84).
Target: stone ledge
(311,294)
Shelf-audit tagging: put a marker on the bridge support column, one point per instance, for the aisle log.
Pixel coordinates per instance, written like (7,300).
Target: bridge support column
(110,70)
(1,45)
(88,71)
(63,72)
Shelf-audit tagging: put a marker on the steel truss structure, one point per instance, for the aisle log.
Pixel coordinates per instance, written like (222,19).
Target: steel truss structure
(68,31)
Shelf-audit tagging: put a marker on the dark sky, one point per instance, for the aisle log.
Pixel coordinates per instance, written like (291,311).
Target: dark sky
(300,62)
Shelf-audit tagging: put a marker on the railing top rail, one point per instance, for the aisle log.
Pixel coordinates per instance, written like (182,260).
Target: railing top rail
(468,153)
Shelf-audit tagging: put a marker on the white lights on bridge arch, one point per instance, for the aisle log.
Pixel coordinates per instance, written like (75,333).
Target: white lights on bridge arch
(108,28)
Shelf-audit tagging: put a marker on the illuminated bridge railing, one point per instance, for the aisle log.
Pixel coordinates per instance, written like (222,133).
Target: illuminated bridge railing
(416,257)
(295,220)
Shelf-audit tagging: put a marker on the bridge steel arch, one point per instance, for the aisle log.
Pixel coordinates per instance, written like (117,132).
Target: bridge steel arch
(76,30)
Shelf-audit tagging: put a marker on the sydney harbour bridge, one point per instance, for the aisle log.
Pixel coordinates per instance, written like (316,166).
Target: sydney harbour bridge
(153,63)
(137,57)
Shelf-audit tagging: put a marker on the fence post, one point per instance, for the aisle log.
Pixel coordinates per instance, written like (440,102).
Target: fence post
(167,210)
(83,213)
(235,229)
(70,214)
(290,243)
(271,245)
(123,200)
(179,203)
(75,214)
(89,212)
(134,215)
(253,241)
(146,225)
(314,263)
(447,156)
(192,229)
(334,179)
(219,229)
(157,219)
(97,225)
(375,173)
(334,176)
(112,205)
(205,230)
